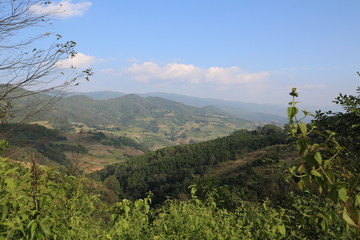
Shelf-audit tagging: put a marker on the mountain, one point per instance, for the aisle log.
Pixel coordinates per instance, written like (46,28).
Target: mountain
(153,121)
(243,110)
(100,95)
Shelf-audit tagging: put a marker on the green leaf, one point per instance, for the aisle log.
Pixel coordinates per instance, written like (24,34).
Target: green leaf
(126,209)
(301,145)
(318,158)
(315,173)
(323,225)
(301,168)
(301,185)
(282,229)
(11,184)
(357,200)
(139,203)
(292,111)
(353,183)
(44,226)
(8,223)
(348,219)
(330,133)
(303,128)
(33,229)
(321,189)
(314,147)
(305,112)
(327,164)
(4,211)
(342,192)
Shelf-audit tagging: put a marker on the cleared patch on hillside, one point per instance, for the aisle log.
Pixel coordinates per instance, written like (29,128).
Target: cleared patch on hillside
(283,155)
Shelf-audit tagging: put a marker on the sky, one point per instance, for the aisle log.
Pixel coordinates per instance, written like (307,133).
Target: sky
(250,51)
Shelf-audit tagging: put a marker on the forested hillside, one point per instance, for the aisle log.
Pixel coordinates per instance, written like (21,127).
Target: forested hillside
(153,121)
(250,111)
(169,171)
(83,151)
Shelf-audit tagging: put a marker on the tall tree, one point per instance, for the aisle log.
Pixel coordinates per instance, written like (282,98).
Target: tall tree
(28,64)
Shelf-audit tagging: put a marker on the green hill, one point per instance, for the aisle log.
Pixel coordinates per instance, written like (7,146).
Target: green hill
(249,111)
(87,151)
(169,171)
(153,121)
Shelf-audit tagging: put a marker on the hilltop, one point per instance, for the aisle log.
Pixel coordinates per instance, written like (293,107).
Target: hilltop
(269,113)
(153,121)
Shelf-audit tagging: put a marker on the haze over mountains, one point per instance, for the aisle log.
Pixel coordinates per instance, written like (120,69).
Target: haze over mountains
(153,121)
(243,110)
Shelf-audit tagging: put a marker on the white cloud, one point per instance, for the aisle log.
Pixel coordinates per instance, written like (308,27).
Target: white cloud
(63,9)
(233,75)
(148,71)
(80,60)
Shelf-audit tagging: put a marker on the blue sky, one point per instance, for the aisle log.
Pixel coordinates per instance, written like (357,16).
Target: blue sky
(252,51)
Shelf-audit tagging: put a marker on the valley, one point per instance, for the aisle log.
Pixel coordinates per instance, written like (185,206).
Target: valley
(153,121)
(151,154)
(95,133)
(179,120)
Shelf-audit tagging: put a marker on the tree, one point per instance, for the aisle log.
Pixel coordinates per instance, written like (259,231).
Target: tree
(325,166)
(347,126)
(26,66)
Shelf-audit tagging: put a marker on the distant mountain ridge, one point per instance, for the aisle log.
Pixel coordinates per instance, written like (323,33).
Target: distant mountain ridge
(153,121)
(100,95)
(243,110)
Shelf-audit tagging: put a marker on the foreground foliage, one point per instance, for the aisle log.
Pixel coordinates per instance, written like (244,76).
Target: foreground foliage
(41,203)
(56,207)
(325,169)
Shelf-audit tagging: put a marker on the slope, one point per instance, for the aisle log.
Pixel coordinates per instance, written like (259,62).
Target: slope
(169,171)
(243,110)
(154,121)
(87,151)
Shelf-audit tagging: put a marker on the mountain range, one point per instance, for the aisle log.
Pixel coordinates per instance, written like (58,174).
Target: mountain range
(153,121)
(249,111)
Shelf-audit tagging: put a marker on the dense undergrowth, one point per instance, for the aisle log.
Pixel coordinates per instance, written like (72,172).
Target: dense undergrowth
(42,203)
(245,202)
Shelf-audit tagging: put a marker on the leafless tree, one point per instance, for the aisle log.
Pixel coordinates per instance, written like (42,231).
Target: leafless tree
(29,64)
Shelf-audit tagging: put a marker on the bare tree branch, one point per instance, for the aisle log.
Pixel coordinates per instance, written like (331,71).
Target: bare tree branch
(25,68)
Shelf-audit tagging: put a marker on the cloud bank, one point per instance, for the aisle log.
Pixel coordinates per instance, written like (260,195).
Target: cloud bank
(150,71)
(63,9)
(80,60)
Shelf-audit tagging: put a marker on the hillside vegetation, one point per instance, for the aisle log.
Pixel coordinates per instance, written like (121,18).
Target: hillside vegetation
(235,196)
(153,121)
(250,111)
(169,171)
(85,151)
(251,184)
